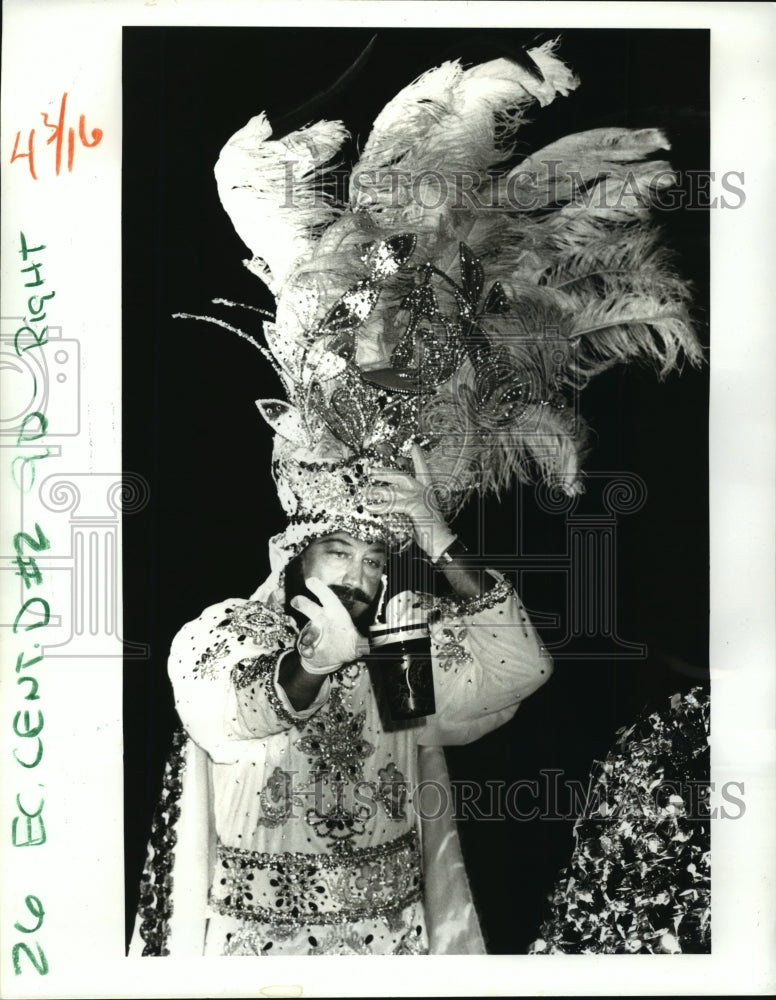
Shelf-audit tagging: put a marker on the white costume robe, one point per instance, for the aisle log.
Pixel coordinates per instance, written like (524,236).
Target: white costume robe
(321,832)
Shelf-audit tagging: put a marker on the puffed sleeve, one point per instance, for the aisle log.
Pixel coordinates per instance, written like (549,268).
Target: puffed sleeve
(487,658)
(224,672)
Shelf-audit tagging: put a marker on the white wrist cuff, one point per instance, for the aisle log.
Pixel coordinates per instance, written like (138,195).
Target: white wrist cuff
(310,669)
(361,648)
(442,542)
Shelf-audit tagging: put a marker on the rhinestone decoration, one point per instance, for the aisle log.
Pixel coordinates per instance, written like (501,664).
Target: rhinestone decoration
(392,791)
(253,670)
(346,316)
(277,799)
(333,740)
(274,700)
(348,676)
(386,258)
(206,665)
(337,825)
(448,607)
(448,646)
(341,941)
(252,940)
(298,535)
(334,497)
(406,936)
(155,906)
(261,623)
(291,888)
(260,670)
(413,942)
(639,878)
(345,414)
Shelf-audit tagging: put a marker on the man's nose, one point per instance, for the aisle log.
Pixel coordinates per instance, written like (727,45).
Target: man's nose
(354,575)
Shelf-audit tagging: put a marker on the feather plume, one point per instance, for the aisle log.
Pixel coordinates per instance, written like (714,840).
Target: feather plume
(274,193)
(538,442)
(448,123)
(552,273)
(616,300)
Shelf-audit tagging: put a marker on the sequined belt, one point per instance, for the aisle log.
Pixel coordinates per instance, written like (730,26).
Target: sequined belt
(287,888)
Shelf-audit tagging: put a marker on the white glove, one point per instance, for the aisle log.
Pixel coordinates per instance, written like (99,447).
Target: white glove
(330,638)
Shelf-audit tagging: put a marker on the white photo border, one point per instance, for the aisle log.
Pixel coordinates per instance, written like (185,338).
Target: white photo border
(75,46)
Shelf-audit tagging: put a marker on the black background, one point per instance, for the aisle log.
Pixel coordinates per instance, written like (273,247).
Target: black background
(192,430)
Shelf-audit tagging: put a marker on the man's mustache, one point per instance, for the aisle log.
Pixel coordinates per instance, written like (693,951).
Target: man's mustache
(349,595)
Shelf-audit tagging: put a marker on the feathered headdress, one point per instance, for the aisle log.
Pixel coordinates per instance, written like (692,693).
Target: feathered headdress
(450,302)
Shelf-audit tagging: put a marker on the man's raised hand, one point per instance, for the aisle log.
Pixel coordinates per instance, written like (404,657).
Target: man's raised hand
(330,638)
(401,493)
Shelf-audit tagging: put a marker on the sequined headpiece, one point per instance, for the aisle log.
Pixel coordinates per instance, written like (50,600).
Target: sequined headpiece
(451,302)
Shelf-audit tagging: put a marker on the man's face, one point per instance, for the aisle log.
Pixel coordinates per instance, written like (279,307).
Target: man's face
(352,569)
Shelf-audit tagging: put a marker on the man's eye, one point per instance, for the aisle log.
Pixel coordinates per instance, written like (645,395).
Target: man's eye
(376,563)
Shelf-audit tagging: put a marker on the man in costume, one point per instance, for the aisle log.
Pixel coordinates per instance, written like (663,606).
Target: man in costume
(425,345)
(319,846)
